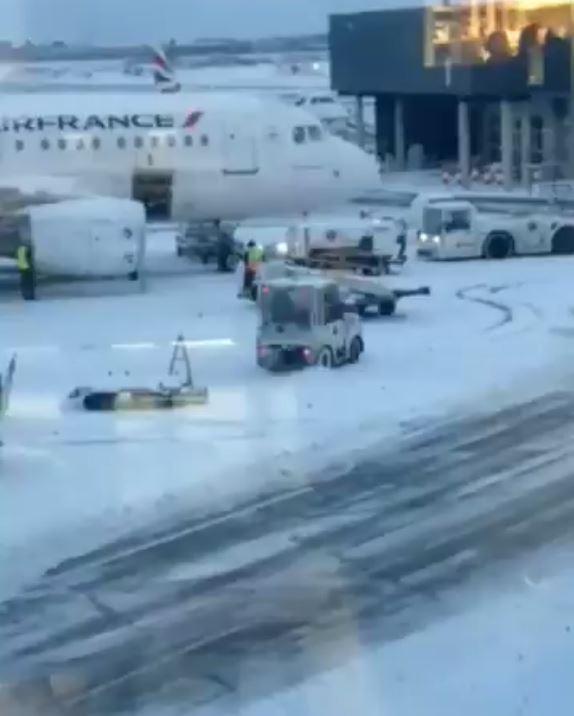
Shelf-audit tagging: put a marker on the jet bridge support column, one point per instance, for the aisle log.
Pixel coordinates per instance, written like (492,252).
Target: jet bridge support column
(399,135)
(463,142)
(525,146)
(506,142)
(360,121)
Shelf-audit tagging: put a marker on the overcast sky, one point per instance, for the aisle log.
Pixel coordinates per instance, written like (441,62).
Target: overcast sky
(134,21)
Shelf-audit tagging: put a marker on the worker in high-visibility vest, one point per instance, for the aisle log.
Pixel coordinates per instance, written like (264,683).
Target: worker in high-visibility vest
(252,259)
(25,263)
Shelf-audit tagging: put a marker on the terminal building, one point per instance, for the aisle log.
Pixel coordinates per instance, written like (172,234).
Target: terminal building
(471,85)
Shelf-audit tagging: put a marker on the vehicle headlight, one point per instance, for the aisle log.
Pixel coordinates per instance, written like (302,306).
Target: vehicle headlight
(436,239)
(423,237)
(282,248)
(308,355)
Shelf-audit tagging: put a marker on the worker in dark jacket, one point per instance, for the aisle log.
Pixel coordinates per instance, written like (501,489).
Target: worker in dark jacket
(25,263)
(402,240)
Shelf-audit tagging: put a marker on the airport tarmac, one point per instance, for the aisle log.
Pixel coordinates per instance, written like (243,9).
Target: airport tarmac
(224,553)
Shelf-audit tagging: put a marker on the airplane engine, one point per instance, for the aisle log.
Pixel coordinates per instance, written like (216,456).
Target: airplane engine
(93,237)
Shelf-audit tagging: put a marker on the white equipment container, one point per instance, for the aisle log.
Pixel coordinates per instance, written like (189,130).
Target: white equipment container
(376,236)
(95,237)
(338,233)
(456,229)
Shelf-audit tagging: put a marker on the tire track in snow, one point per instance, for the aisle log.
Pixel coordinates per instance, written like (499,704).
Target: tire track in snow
(508,312)
(467,294)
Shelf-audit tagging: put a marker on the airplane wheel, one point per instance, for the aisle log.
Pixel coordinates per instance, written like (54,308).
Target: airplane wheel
(133,276)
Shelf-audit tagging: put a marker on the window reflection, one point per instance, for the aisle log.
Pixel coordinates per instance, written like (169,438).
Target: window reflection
(494,32)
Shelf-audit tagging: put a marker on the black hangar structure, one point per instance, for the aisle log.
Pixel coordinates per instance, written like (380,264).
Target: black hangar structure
(479,83)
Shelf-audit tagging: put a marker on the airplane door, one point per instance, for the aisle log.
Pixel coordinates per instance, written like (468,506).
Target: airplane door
(154,190)
(239,152)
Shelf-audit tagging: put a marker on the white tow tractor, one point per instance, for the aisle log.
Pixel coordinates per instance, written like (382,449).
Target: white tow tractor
(456,229)
(302,322)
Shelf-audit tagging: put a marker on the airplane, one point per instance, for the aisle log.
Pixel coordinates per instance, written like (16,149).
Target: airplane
(163,73)
(186,156)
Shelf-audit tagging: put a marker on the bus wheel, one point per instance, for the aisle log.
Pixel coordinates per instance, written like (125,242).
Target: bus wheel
(498,245)
(563,241)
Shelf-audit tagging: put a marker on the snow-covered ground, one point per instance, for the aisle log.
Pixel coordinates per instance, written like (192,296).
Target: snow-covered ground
(489,332)
(511,655)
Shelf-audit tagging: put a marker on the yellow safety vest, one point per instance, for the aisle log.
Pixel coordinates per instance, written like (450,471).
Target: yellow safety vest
(254,257)
(22,258)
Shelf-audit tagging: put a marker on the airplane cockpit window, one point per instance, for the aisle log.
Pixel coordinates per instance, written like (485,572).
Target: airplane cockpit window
(138,142)
(121,142)
(204,140)
(45,144)
(315,133)
(19,144)
(188,140)
(299,135)
(62,144)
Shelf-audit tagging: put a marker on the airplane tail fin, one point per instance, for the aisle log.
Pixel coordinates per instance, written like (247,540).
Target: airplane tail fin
(163,72)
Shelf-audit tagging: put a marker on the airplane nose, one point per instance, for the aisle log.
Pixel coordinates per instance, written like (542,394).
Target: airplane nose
(358,170)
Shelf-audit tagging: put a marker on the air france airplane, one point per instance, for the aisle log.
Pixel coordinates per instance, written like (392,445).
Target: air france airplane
(186,157)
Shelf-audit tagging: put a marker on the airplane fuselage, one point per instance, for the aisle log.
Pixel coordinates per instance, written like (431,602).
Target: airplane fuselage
(186,156)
